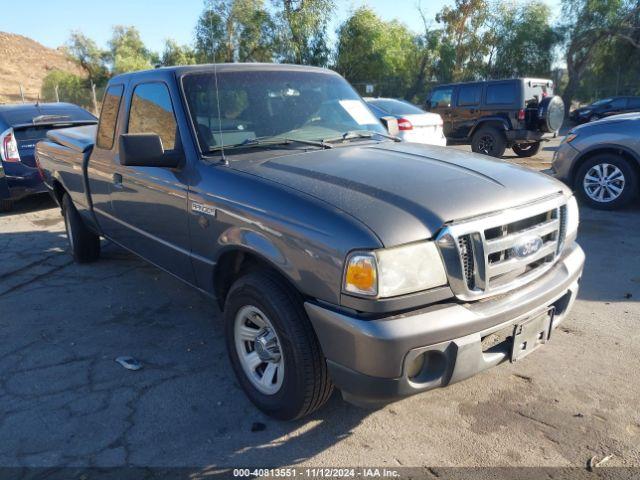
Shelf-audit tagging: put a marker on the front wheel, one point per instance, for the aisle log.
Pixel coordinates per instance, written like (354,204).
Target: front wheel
(84,244)
(489,141)
(526,149)
(606,182)
(273,349)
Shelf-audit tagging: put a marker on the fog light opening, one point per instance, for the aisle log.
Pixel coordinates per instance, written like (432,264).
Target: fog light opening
(427,367)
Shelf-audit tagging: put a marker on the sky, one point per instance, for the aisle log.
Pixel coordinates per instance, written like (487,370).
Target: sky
(158,20)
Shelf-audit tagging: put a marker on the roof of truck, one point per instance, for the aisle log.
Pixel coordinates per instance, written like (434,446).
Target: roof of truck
(225,67)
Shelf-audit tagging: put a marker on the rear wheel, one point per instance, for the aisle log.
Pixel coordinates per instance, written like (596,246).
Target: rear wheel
(273,349)
(489,141)
(526,149)
(606,182)
(6,205)
(84,244)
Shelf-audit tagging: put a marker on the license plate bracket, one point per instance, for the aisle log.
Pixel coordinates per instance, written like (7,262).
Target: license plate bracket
(531,334)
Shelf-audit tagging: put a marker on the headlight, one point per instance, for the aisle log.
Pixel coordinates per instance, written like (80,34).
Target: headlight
(573,216)
(394,271)
(585,112)
(570,137)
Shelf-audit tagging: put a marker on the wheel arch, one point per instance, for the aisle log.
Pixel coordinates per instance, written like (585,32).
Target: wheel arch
(632,157)
(495,122)
(237,260)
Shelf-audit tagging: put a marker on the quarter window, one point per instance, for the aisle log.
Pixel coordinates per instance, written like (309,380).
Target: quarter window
(469,95)
(109,117)
(501,94)
(152,112)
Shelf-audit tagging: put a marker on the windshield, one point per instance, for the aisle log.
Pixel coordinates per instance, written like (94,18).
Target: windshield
(296,105)
(601,102)
(396,107)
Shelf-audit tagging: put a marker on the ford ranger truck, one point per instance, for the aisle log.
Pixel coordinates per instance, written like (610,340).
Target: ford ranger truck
(339,256)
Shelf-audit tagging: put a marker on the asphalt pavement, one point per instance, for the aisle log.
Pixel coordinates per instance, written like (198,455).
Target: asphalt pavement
(64,401)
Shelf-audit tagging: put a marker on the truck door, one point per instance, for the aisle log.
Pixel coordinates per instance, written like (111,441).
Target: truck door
(103,159)
(440,103)
(150,203)
(467,110)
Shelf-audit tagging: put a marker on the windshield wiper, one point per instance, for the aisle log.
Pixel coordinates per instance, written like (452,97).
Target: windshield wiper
(270,141)
(356,134)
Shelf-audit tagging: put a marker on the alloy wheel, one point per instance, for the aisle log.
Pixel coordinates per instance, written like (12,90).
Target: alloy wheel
(604,183)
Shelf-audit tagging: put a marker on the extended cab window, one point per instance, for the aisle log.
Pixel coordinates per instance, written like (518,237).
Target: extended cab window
(441,98)
(109,117)
(469,95)
(152,112)
(501,94)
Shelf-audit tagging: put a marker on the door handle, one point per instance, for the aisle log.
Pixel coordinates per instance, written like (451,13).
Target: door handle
(117,180)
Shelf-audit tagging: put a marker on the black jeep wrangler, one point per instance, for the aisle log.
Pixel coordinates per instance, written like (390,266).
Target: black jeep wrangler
(495,115)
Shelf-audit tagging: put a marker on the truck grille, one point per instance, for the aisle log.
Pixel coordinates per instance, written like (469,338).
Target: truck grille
(499,252)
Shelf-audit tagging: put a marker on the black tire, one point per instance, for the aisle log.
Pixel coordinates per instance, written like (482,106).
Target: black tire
(305,385)
(590,166)
(84,244)
(6,205)
(489,141)
(526,149)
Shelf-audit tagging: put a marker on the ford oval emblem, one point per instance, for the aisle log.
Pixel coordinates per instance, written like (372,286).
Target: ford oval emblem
(527,247)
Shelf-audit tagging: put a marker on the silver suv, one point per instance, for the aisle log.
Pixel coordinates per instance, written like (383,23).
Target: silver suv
(601,161)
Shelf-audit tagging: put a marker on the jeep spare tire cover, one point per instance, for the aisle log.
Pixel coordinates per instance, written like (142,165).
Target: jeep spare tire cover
(551,114)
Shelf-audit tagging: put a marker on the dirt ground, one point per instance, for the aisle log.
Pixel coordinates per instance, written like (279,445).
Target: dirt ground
(64,401)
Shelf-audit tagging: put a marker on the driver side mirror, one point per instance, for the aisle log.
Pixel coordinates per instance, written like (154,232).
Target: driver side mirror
(145,150)
(391,124)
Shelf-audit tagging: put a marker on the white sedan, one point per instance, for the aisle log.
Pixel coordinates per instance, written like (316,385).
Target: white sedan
(415,124)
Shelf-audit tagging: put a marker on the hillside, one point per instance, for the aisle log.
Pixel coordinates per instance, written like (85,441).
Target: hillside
(26,62)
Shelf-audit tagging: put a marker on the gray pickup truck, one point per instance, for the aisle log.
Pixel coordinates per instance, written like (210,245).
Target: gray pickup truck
(339,256)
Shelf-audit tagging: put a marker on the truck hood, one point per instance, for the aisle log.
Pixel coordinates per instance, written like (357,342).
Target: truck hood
(404,192)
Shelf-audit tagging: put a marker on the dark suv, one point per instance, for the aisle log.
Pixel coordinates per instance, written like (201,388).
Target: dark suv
(605,108)
(495,115)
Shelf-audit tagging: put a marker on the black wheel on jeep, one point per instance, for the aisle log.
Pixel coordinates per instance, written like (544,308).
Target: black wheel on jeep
(489,141)
(273,348)
(84,244)
(606,182)
(526,149)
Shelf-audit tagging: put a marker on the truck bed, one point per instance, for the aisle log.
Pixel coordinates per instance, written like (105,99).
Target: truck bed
(64,156)
(79,139)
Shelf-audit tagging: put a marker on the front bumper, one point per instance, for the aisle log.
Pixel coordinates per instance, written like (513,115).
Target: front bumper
(369,360)
(564,159)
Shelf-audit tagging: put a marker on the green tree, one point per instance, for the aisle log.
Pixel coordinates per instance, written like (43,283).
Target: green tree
(302,30)
(522,40)
(175,54)
(374,51)
(71,88)
(86,53)
(466,37)
(235,31)
(589,27)
(127,51)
